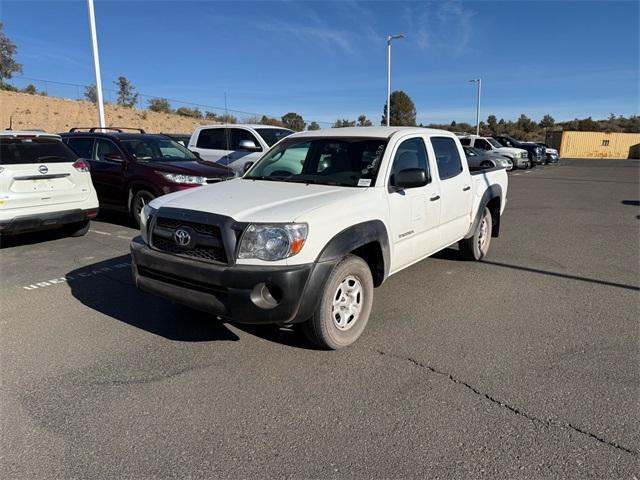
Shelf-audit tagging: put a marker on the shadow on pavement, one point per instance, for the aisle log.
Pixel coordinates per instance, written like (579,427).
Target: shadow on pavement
(107,287)
(32,238)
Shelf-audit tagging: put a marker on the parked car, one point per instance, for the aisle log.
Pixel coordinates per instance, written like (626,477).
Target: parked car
(477,158)
(536,152)
(131,169)
(235,145)
(308,245)
(43,185)
(551,154)
(519,157)
(181,138)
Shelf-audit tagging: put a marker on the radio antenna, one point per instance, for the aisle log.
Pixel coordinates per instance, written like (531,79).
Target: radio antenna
(226,120)
(10,122)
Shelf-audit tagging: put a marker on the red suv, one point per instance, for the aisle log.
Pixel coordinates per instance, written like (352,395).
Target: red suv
(129,170)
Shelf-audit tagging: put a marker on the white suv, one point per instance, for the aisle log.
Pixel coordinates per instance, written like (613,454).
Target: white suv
(235,145)
(43,185)
(518,156)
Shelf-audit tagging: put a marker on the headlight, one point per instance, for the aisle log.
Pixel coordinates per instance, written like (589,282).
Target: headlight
(184,179)
(145,216)
(272,242)
(524,155)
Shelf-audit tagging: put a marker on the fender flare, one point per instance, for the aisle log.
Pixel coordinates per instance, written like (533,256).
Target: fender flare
(355,236)
(494,191)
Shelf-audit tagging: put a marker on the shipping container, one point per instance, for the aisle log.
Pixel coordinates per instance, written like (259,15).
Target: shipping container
(594,144)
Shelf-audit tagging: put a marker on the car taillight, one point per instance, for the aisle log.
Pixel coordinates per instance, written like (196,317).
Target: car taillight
(81,165)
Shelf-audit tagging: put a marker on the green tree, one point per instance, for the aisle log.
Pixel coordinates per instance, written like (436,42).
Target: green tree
(313,126)
(30,89)
(8,66)
(293,121)
(227,118)
(189,112)
(265,120)
(403,110)
(341,123)
(547,122)
(492,124)
(91,93)
(525,124)
(160,105)
(211,115)
(126,92)
(363,121)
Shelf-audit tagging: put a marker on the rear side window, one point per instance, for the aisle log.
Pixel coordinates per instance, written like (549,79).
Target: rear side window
(482,144)
(16,151)
(213,138)
(447,157)
(82,146)
(465,141)
(410,154)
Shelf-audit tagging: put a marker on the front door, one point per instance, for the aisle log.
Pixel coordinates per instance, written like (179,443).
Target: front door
(414,212)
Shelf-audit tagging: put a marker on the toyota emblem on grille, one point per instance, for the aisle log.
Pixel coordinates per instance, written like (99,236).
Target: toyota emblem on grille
(182,237)
(43,169)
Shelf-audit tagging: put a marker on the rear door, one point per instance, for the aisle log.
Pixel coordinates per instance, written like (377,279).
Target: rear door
(455,189)
(237,156)
(212,144)
(108,164)
(38,171)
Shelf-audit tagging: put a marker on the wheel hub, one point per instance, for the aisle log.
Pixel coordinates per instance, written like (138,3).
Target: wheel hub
(347,303)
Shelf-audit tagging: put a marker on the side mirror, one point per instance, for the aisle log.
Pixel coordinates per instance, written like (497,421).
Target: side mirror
(410,178)
(248,145)
(246,167)
(113,157)
(197,154)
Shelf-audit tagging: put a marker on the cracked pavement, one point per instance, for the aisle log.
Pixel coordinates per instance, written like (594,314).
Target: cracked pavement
(523,366)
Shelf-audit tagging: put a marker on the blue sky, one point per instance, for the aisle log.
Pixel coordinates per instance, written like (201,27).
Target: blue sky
(327,59)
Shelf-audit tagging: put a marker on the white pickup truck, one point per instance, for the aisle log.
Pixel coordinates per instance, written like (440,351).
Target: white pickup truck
(318,222)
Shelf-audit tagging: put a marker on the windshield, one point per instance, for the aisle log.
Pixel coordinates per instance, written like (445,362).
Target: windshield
(16,151)
(494,142)
(157,149)
(273,135)
(344,161)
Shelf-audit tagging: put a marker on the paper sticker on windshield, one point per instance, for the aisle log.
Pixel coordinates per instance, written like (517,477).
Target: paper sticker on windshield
(364,182)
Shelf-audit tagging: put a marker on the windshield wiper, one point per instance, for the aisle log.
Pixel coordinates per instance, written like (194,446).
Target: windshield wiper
(269,179)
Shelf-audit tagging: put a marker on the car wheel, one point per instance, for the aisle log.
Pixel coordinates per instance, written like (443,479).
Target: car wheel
(477,247)
(78,229)
(344,307)
(140,199)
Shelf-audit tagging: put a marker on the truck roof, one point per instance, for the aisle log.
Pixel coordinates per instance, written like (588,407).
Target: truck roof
(28,133)
(373,132)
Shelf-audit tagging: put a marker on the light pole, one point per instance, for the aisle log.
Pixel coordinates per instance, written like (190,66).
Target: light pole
(479,82)
(96,62)
(390,38)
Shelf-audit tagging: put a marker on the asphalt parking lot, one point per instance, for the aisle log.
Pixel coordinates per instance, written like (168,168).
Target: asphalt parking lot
(522,366)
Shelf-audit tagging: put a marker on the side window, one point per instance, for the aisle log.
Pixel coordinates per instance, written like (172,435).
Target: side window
(82,146)
(212,138)
(447,157)
(238,134)
(410,154)
(465,141)
(104,148)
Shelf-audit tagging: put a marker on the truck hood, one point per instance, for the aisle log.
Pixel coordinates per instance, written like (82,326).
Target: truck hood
(197,167)
(509,150)
(257,200)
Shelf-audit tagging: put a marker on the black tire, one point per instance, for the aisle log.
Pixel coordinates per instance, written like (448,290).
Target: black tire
(79,229)
(323,329)
(477,247)
(139,200)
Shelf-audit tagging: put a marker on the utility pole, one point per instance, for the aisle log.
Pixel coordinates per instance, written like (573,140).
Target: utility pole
(389,39)
(96,63)
(479,82)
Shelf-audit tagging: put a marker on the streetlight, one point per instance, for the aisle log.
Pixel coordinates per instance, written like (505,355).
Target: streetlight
(479,82)
(96,62)
(389,39)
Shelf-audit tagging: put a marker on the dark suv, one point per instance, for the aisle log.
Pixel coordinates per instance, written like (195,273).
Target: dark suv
(129,170)
(537,154)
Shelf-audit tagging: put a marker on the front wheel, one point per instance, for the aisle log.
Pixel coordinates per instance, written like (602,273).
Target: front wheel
(477,247)
(344,307)
(140,199)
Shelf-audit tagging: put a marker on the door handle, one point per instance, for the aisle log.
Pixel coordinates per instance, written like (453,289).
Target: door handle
(467,188)
(434,198)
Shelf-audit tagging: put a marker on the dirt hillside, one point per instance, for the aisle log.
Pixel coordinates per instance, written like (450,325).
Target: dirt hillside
(59,115)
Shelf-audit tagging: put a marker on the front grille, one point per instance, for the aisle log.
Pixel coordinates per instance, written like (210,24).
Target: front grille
(207,244)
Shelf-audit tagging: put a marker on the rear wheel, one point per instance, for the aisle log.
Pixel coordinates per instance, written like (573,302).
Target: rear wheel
(344,307)
(140,199)
(78,229)
(477,246)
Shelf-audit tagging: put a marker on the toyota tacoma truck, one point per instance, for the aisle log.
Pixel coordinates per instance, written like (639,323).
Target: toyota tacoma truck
(308,232)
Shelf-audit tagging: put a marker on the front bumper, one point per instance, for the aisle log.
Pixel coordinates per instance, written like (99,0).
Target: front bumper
(521,162)
(45,221)
(552,158)
(244,293)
